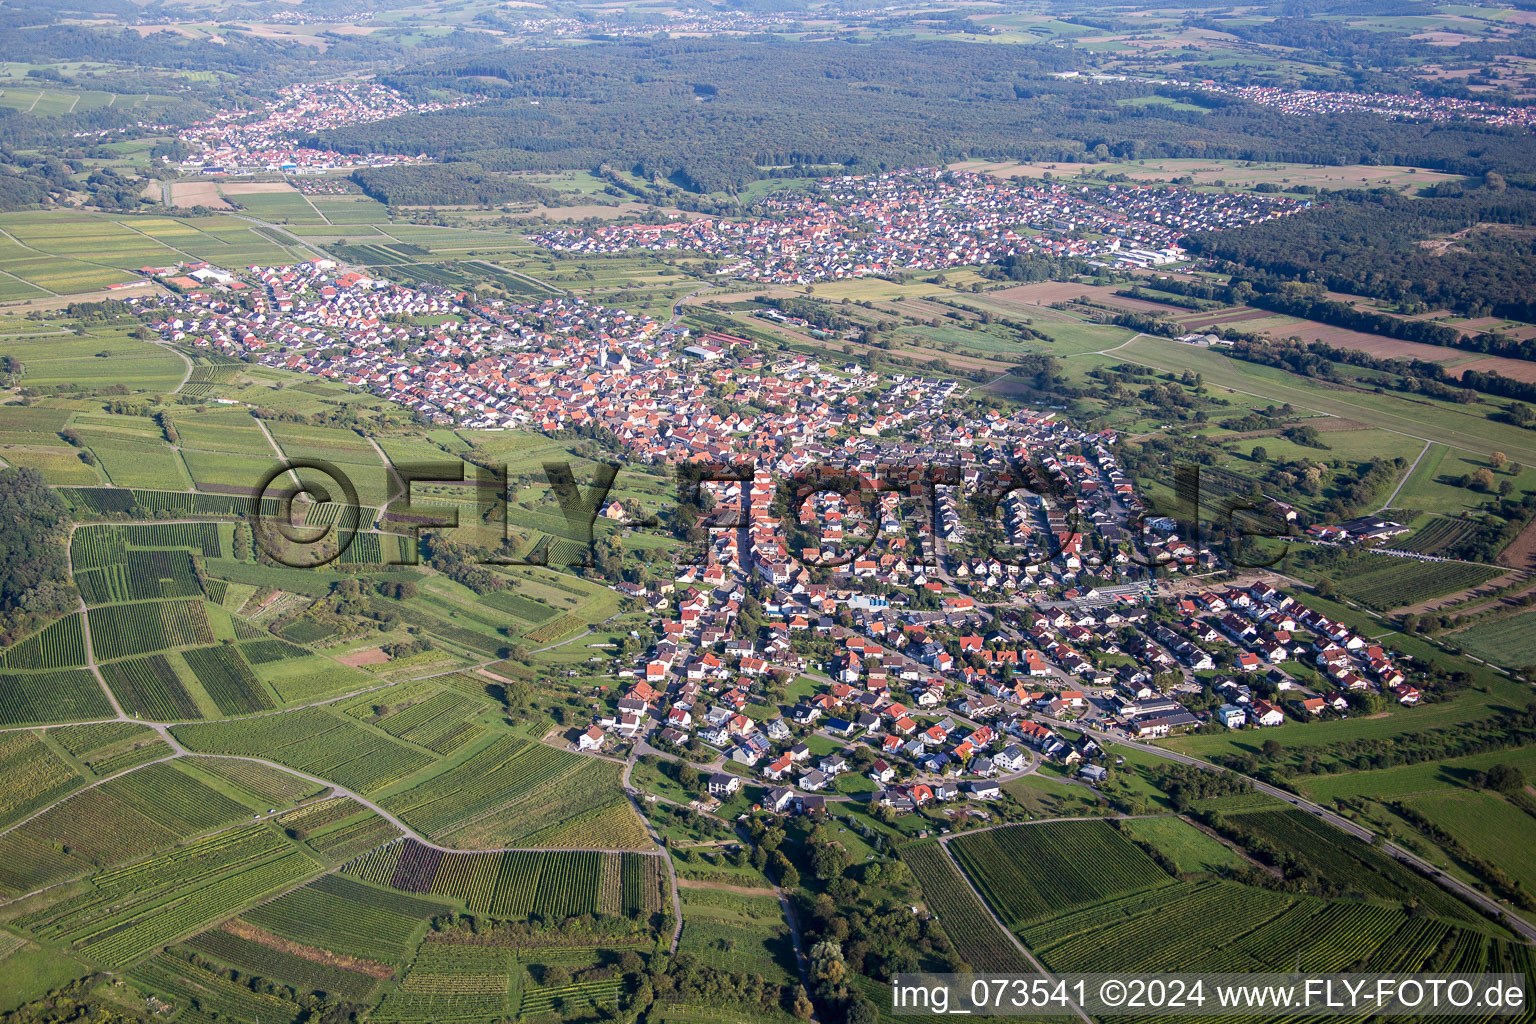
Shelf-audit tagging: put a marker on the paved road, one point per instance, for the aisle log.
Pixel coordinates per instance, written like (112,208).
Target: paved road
(677,308)
(295,239)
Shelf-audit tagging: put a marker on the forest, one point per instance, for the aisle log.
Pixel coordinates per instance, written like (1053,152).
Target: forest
(1371,243)
(457,183)
(683,110)
(34,574)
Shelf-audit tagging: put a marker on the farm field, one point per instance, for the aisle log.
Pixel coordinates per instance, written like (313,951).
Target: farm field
(1233,172)
(341,915)
(1431,486)
(737,933)
(240,946)
(121,918)
(427,783)
(1412,779)
(1191,850)
(77,252)
(1487,825)
(1353,865)
(175,980)
(128,816)
(106,356)
(1456,426)
(62,466)
(139,464)
(38,775)
(1510,641)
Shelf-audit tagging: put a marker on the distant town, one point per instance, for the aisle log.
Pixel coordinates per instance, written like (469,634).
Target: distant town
(930,219)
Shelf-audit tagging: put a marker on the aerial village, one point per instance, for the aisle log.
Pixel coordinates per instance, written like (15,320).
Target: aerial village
(937,655)
(244,141)
(1411,106)
(930,219)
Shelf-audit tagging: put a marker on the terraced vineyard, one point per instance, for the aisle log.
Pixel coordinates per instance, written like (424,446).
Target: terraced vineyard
(268,649)
(141,576)
(315,741)
(1222,926)
(353,839)
(51,695)
(60,644)
(112,501)
(1027,872)
(128,912)
(263,782)
(515,793)
(205,997)
(228,680)
(35,775)
(126,817)
(96,546)
(343,915)
(515,884)
(150,688)
(123,630)
(538,999)
(302,972)
(978,940)
(455,981)
(439,722)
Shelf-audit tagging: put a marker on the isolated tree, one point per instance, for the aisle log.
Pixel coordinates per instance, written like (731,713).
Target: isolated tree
(1505,778)
(827,964)
(861,1010)
(802,1008)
